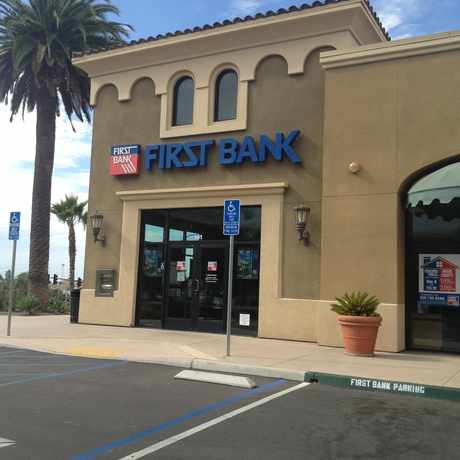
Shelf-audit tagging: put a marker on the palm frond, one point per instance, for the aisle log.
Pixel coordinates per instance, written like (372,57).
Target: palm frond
(37,41)
(70,210)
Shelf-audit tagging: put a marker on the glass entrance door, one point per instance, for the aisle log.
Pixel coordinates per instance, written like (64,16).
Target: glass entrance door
(183,271)
(211,301)
(182,287)
(196,287)
(151,286)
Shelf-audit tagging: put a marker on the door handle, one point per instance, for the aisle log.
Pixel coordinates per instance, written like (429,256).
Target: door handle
(196,286)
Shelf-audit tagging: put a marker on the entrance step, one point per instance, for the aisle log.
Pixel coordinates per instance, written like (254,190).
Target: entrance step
(219,379)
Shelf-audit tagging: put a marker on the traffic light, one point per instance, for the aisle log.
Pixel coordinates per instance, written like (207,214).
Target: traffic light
(55,280)
(79,283)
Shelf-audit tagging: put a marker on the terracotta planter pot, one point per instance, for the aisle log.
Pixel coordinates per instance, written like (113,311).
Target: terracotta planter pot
(359,333)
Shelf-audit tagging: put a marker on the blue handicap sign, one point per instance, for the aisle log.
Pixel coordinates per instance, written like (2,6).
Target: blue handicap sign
(15,222)
(232,217)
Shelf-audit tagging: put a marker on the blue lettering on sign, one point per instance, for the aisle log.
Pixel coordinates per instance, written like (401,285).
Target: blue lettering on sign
(230,152)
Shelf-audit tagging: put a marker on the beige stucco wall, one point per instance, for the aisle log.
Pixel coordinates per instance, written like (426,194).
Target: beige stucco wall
(278,317)
(395,118)
(274,106)
(281,89)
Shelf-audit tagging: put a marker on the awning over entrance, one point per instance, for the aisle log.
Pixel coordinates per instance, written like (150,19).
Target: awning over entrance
(442,185)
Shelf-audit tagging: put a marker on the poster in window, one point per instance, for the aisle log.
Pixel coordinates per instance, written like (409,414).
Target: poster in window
(439,279)
(180,266)
(212,266)
(248,264)
(245,319)
(153,263)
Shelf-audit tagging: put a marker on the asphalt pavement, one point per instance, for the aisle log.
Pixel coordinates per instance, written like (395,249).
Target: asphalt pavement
(59,407)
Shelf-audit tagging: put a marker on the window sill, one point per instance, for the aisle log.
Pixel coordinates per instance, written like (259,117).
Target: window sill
(195,130)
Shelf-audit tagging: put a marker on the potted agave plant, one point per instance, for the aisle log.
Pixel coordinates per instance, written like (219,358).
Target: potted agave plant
(359,322)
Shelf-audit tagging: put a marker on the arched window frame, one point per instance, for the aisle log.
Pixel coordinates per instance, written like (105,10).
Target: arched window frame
(203,117)
(217,96)
(174,106)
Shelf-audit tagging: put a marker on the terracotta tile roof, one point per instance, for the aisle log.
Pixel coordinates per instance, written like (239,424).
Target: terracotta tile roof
(228,22)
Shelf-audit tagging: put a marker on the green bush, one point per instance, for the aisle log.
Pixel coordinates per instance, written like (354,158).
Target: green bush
(57,303)
(27,304)
(20,289)
(356,304)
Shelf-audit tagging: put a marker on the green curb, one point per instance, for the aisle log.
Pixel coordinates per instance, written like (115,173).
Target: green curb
(384,386)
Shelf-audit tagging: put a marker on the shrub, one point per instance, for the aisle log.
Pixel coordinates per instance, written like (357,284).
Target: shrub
(356,304)
(27,304)
(57,303)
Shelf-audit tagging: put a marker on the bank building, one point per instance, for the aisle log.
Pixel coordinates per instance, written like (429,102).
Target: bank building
(342,146)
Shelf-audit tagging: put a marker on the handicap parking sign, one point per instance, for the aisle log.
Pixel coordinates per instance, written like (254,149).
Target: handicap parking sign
(15,222)
(232,217)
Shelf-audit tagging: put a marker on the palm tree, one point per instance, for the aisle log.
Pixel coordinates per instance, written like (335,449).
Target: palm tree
(70,212)
(37,41)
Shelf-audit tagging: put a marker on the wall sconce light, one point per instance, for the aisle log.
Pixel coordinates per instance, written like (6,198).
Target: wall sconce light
(302,213)
(97,224)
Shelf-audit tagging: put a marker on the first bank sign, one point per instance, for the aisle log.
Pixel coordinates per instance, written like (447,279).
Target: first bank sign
(125,159)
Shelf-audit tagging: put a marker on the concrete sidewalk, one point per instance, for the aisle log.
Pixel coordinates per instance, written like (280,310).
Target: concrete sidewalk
(275,358)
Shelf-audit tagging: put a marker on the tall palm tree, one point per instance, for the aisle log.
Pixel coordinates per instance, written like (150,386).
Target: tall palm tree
(70,212)
(37,41)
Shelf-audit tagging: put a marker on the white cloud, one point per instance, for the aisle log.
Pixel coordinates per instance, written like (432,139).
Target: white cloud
(245,7)
(16,179)
(396,14)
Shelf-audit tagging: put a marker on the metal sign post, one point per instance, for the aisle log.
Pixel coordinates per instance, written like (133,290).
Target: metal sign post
(15,221)
(231,228)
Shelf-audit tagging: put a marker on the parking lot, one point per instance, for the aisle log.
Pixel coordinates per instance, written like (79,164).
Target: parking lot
(58,407)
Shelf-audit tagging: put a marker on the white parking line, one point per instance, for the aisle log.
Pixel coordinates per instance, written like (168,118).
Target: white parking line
(6,443)
(172,440)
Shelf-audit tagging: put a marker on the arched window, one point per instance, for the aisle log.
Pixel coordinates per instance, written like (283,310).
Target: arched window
(184,94)
(226,96)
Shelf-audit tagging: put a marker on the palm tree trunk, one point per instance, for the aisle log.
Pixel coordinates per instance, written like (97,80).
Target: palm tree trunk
(41,196)
(72,254)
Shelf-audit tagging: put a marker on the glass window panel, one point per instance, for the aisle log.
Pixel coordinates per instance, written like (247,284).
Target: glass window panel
(246,288)
(191,236)
(150,297)
(154,234)
(184,93)
(226,96)
(176,235)
(251,217)
(196,224)
(154,226)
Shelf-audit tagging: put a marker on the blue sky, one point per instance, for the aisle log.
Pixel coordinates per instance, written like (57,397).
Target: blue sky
(403,18)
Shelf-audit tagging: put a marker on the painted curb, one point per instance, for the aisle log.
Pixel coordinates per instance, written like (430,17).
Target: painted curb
(384,386)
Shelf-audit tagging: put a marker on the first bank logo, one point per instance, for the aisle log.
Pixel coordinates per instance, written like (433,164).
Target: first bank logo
(125,160)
